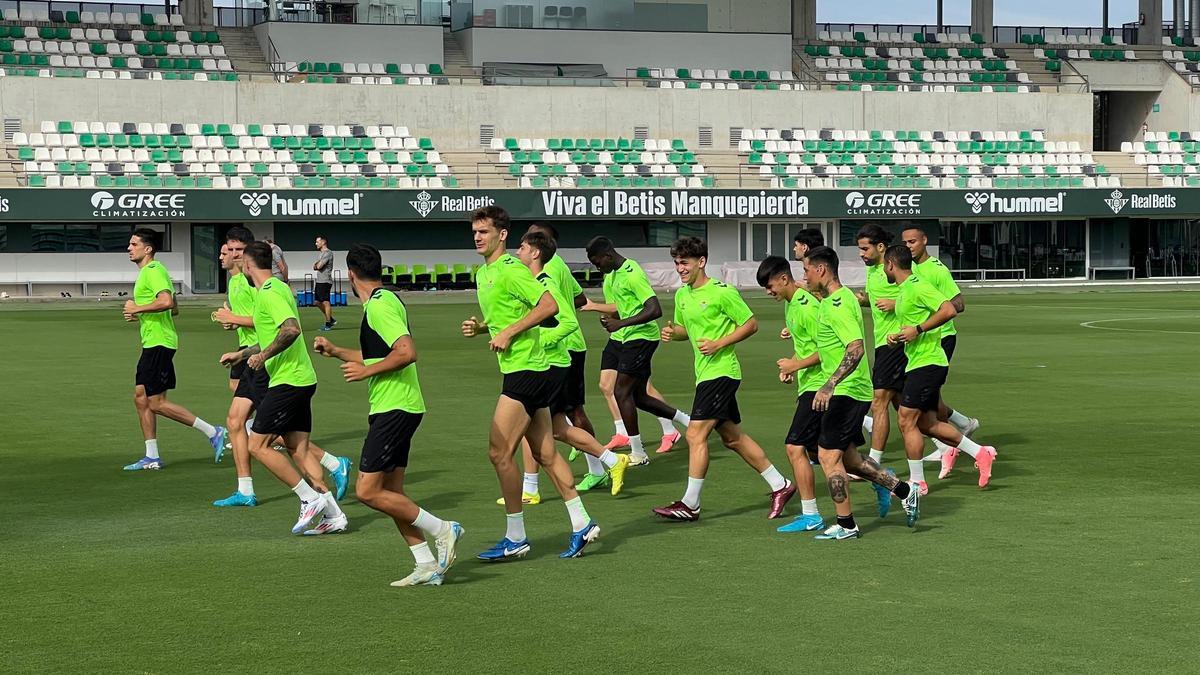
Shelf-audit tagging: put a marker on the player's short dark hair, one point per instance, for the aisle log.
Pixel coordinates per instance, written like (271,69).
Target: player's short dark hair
(810,237)
(918,228)
(874,234)
(542,242)
(239,233)
(321,236)
(259,252)
(548,229)
(600,246)
(366,263)
(149,237)
(497,215)
(689,247)
(771,267)
(900,256)
(823,255)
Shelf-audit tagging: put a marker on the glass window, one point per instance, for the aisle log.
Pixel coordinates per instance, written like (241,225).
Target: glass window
(74,237)
(1042,249)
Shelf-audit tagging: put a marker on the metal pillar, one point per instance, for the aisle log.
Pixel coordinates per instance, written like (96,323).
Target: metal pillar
(1194,19)
(940,22)
(1178,19)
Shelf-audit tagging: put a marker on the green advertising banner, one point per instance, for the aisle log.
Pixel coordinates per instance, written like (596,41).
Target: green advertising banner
(74,205)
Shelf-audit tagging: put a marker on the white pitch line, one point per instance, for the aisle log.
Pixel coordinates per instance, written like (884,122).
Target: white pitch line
(1092,324)
(1090,307)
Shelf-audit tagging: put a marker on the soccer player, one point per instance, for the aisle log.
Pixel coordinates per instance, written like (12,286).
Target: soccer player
(921,310)
(249,385)
(714,317)
(324,282)
(387,360)
(932,270)
(844,398)
(806,239)
(887,376)
(628,314)
(536,247)
(151,307)
(513,304)
(804,368)
(285,409)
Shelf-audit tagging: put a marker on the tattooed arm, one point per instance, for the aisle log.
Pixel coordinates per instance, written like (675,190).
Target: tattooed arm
(289,330)
(854,354)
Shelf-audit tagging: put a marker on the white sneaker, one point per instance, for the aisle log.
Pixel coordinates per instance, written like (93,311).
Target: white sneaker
(308,511)
(635,460)
(330,525)
(938,448)
(446,543)
(422,575)
(972,427)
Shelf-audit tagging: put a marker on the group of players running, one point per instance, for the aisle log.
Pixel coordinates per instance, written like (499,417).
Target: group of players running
(529,304)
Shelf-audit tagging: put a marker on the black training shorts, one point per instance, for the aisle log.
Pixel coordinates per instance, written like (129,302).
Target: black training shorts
(890,363)
(635,358)
(321,292)
(531,388)
(252,385)
(576,387)
(238,370)
(558,376)
(389,438)
(949,342)
(717,400)
(611,356)
(841,423)
(285,408)
(156,370)
(806,424)
(923,387)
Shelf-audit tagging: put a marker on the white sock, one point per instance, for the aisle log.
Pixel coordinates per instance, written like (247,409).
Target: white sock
(809,507)
(579,515)
(422,554)
(608,459)
(332,510)
(595,466)
(245,485)
(152,448)
(916,471)
(876,455)
(305,492)
(959,420)
(691,497)
(530,486)
(204,427)
(635,446)
(620,424)
(667,425)
(774,478)
(329,461)
(515,526)
(428,522)
(969,446)
(249,426)
(682,418)
(869,423)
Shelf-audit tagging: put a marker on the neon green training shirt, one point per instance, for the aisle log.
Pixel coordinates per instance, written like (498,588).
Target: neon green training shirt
(554,338)
(712,312)
(274,305)
(385,320)
(241,302)
(157,329)
(801,319)
(918,300)
(569,289)
(933,271)
(507,291)
(879,288)
(839,323)
(628,288)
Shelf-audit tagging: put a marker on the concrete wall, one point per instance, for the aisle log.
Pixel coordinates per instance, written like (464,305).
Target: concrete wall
(451,114)
(621,50)
(351,43)
(1111,76)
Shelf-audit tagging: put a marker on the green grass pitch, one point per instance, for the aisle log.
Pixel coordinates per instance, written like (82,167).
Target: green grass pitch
(1081,556)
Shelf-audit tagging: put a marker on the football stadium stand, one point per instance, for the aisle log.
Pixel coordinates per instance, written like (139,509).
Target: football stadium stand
(600,162)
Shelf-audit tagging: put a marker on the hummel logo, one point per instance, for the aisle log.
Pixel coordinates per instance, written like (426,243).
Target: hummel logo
(976,200)
(254,201)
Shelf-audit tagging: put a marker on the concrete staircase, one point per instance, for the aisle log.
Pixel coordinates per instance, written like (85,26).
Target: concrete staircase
(244,52)
(454,58)
(477,169)
(1122,165)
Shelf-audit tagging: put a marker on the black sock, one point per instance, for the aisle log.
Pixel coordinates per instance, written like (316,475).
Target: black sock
(901,490)
(847,522)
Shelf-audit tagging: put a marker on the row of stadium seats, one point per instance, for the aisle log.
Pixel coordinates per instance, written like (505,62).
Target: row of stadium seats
(335,68)
(729,86)
(651,182)
(65,33)
(1058,39)
(250,152)
(660,160)
(88,73)
(29,14)
(943,183)
(241,182)
(829,134)
(906,52)
(899,38)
